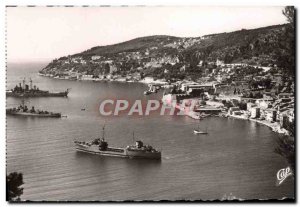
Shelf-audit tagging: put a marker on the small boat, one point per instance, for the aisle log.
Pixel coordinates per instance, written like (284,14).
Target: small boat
(147,92)
(199,132)
(203,115)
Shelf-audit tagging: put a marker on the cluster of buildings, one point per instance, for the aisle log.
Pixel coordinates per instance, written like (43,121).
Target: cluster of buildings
(99,66)
(216,81)
(277,110)
(280,109)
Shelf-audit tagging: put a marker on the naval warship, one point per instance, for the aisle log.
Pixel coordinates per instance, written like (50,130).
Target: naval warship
(99,146)
(25,90)
(23,110)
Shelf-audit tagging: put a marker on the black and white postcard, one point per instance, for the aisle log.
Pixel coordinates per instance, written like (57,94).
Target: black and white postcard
(150,103)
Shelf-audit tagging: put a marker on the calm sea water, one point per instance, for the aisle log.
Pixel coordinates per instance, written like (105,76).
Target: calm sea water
(237,157)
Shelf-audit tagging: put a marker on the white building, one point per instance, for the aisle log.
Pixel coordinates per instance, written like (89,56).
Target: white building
(255,112)
(291,115)
(86,77)
(250,106)
(233,109)
(263,104)
(191,86)
(220,63)
(270,114)
(96,57)
(112,68)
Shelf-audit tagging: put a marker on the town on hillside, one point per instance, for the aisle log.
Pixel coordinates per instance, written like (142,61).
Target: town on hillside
(247,74)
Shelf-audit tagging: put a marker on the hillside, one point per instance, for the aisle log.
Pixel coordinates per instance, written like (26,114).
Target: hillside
(160,56)
(137,44)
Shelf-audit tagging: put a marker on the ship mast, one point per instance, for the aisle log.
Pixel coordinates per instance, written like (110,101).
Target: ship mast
(23,102)
(133,136)
(24,83)
(103,132)
(30,84)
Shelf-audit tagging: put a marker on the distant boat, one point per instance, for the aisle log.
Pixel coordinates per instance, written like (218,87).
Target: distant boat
(199,132)
(152,89)
(25,90)
(147,92)
(203,115)
(23,110)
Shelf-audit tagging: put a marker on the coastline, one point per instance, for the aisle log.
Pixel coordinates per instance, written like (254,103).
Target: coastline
(121,80)
(275,127)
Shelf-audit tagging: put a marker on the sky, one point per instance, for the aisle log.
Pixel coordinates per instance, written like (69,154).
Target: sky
(45,33)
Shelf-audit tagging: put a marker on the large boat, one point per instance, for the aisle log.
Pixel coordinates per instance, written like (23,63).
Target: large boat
(100,146)
(25,90)
(23,110)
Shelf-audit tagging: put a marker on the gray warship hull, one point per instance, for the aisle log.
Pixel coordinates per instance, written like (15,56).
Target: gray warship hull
(36,94)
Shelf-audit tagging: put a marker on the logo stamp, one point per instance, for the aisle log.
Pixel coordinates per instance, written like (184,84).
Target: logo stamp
(282,174)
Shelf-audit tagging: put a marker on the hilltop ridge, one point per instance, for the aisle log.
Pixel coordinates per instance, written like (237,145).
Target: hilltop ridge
(163,56)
